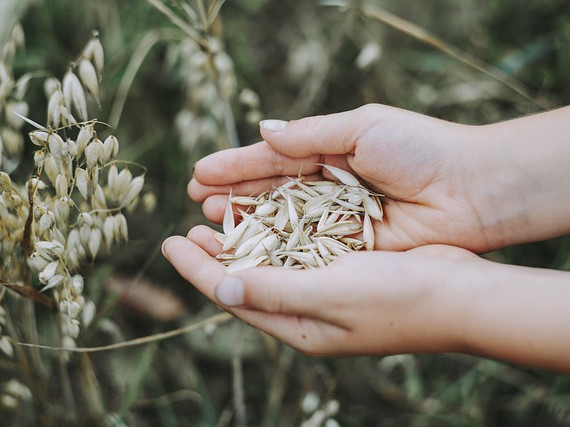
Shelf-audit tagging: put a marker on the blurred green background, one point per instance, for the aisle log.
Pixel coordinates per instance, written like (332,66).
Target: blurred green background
(279,59)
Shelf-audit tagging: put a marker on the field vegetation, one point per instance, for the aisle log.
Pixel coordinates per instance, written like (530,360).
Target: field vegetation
(120,339)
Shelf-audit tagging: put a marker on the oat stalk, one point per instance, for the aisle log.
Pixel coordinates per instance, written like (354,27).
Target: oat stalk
(216,319)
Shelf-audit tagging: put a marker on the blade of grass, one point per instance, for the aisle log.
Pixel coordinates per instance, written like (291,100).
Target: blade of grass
(203,14)
(141,52)
(426,37)
(136,383)
(197,382)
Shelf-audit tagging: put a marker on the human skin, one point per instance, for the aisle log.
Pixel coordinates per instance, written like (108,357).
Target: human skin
(477,187)
(429,299)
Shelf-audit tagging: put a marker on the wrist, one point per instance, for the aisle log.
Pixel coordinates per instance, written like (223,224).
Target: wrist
(492,188)
(513,178)
(446,274)
(453,302)
(517,314)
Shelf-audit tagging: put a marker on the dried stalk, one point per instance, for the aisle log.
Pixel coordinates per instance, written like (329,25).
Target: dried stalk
(277,387)
(187,29)
(218,318)
(30,292)
(426,37)
(237,377)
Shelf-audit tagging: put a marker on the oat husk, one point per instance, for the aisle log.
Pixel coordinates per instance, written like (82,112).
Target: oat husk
(300,224)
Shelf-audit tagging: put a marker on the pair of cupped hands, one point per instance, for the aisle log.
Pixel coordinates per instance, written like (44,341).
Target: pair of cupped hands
(450,192)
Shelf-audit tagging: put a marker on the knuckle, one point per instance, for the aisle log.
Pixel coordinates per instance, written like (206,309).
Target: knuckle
(267,298)
(278,162)
(364,119)
(273,300)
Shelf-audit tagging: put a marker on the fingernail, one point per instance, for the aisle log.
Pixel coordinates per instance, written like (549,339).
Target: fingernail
(273,125)
(164,248)
(230,291)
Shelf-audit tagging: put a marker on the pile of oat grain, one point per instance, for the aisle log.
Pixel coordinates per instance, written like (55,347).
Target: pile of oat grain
(301,224)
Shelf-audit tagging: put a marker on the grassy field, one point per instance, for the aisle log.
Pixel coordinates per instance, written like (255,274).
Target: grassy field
(184,78)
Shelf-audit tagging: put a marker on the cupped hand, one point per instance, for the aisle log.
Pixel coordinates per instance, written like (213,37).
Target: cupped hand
(363,303)
(416,161)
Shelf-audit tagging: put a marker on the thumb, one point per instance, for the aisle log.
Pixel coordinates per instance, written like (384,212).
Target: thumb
(273,290)
(328,134)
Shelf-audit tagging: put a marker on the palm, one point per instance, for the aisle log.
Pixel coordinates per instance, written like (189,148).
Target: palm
(424,201)
(417,167)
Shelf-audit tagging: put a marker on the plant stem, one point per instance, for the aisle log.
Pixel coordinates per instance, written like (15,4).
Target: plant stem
(29,292)
(237,379)
(218,318)
(277,388)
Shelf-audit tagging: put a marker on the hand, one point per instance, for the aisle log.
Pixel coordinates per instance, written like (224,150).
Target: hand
(429,299)
(476,187)
(415,160)
(363,303)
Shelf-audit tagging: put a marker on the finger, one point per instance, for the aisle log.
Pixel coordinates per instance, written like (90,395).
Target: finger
(199,191)
(214,205)
(214,208)
(276,290)
(194,264)
(328,134)
(204,272)
(250,163)
(310,335)
(204,237)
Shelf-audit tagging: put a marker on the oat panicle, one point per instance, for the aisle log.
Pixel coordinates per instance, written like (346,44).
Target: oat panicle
(72,208)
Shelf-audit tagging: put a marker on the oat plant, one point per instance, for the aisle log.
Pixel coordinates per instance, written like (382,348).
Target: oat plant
(53,226)
(211,86)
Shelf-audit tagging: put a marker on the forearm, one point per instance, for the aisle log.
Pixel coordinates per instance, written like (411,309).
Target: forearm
(517,314)
(517,176)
